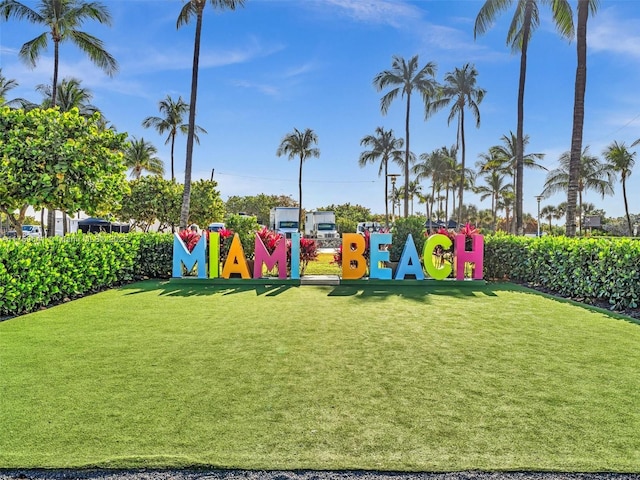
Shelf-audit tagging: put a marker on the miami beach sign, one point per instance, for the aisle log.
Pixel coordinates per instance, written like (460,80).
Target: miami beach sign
(354,263)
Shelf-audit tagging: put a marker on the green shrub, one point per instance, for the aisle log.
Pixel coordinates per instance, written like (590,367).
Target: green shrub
(591,269)
(401,230)
(246,226)
(37,273)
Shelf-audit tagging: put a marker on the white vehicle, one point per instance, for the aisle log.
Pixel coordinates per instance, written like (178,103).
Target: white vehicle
(285,220)
(372,227)
(31,231)
(215,226)
(320,225)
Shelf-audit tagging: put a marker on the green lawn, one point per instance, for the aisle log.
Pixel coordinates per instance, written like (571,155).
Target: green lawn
(163,374)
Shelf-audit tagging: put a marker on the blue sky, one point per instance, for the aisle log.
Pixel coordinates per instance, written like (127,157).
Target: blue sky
(279,64)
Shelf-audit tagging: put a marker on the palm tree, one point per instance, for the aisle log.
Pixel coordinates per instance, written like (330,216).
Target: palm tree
(495,189)
(191,9)
(549,212)
(621,160)
(384,146)
(172,122)
(504,158)
(62,18)
(405,77)
(525,21)
(140,156)
(70,94)
(460,91)
(7,84)
(414,191)
(584,7)
(593,175)
(299,144)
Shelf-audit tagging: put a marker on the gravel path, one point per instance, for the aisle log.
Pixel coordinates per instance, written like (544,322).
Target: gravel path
(297,475)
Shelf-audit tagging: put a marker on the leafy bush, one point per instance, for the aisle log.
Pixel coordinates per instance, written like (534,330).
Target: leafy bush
(591,269)
(401,230)
(38,273)
(245,226)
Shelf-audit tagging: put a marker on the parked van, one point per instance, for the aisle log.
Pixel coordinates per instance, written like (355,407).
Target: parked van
(31,231)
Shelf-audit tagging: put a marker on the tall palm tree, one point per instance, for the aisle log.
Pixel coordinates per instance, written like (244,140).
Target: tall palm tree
(584,7)
(172,122)
(140,156)
(504,158)
(61,19)
(549,212)
(194,9)
(621,160)
(524,22)
(593,175)
(70,94)
(460,91)
(404,78)
(494,188)
(299,144)
(384,146)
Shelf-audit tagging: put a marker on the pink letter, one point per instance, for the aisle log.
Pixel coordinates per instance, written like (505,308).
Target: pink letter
(475,255)
(278,258)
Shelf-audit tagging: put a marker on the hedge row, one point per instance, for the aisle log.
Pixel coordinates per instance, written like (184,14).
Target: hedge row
(36,273)
(593,269)
(44,272)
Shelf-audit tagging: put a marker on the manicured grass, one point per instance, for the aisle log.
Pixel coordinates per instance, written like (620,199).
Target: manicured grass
(160,374)
(323,266)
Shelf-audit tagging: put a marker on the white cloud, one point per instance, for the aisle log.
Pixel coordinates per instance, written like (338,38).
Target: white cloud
(609,32)
(394,13)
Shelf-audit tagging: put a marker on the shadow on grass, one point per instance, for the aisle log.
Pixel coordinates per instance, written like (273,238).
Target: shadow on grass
(421,292)
(193,289)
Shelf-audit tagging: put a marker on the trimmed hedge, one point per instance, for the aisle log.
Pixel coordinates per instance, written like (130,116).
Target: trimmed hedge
(591,269)
(37,273)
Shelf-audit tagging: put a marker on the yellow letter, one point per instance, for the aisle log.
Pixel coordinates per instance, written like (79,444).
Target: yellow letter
(236,261)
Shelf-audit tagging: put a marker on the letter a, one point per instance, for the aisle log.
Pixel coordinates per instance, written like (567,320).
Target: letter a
(236,261)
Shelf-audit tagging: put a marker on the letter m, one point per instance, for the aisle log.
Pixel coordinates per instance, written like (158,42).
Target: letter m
(182,256)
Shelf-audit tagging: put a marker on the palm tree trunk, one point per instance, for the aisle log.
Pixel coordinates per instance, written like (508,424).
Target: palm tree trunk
(580,210)
(406,158)
(626,205)
(173,144)
(578,116)
(386,191)
(526,31)
(186,198)
(462,160)
(300,193)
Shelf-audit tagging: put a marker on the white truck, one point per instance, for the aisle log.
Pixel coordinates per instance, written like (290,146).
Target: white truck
(285,220)
(320,224)
(31,231)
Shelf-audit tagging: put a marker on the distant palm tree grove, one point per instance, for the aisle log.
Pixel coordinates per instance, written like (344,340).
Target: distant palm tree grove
(430,184)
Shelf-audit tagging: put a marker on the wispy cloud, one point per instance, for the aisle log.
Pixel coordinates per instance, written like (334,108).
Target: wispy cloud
(394,13)
(608,32)
(176,59)
(267,89)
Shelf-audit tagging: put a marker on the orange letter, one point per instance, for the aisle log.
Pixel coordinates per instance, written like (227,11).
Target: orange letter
(354,264)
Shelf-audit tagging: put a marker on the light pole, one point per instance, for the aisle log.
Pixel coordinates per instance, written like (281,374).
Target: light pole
(393,177)
(538,198)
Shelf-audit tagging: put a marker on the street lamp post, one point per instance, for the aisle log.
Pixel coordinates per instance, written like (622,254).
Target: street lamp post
(538,198)
(393,177)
